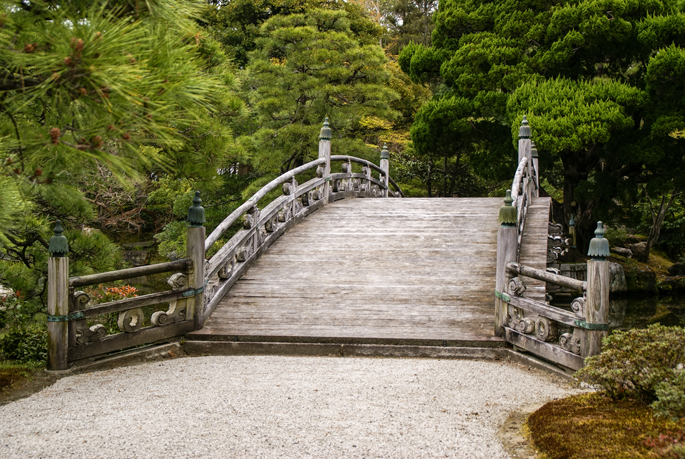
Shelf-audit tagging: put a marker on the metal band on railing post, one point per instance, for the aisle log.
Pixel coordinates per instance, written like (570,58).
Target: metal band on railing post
(502,296)
(67,318)
(588,326)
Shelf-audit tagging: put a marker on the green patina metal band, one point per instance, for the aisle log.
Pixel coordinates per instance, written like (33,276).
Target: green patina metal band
(328,179)
(193,292)
(587,326)
(502,296)
(67,318)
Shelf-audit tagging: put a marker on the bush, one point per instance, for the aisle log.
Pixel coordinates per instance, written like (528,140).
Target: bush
(633,363)
(25,344)
(671,397)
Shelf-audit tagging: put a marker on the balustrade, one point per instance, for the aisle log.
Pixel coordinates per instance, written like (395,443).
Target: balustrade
(533,325)
(197,285)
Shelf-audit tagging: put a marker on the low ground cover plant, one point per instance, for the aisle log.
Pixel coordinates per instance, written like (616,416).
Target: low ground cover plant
(642,364)
(640,410)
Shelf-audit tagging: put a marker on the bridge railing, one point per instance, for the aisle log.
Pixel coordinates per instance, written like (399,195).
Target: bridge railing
(197,284)
(555,334)
(261,227)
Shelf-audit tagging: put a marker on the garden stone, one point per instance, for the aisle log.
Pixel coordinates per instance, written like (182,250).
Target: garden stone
(677,269)
(622,251)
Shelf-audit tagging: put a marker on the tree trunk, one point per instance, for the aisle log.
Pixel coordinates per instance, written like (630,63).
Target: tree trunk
(657,221)
(444,178)
(582,212)
(454,175)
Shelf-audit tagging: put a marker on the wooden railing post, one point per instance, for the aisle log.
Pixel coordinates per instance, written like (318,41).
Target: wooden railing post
(536,168)
(325,152)
(385,166)
(58,301)
(506,252)
(524,151)
(195,250)
(596,324)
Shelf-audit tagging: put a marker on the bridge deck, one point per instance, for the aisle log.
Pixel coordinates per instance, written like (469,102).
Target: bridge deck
(400,271)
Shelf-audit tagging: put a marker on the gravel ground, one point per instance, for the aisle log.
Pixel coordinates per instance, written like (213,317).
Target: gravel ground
(276,407)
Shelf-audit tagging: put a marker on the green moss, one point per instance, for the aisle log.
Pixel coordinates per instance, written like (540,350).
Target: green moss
(593,425)
(12,374)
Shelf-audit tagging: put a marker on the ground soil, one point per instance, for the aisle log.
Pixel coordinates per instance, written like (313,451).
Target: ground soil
(513,434)
(18,383)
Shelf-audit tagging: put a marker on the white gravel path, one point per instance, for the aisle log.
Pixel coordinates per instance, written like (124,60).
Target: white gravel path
(276,407)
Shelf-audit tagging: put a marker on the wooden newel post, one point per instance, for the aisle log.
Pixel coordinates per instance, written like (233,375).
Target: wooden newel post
(597,302)
(195,249)
(325,152)
(536,168)
(525,147)
(385,167)
(506,252)
(58,301)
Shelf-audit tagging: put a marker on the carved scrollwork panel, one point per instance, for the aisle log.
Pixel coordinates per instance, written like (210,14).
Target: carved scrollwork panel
(130,321)
(178,281)
(244,252)
(84,333)
(525,325)
(555,229)
(546,330)
(271,224)
(578,306)
(285,214)
(176,313)
(227,269)
(570,342)
(514,316)
(210,291)
(516,286)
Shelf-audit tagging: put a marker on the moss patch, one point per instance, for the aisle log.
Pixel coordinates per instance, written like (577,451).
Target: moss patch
(12,375)
(592,425)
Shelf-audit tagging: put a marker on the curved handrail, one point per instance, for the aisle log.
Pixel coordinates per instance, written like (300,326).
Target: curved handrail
(518,177)
(397,187)
(252,201)
(369,164)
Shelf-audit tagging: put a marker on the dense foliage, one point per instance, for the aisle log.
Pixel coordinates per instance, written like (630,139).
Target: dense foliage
(643,364)
(112,113)
(601,84)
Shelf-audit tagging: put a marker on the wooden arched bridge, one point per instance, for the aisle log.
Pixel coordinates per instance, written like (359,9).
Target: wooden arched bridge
(345,264)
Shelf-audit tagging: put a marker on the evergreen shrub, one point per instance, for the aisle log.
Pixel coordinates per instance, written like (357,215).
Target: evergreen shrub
(634,362)
(671,397)
(25,344)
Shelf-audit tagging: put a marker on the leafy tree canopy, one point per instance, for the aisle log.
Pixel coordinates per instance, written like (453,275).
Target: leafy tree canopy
(597,79)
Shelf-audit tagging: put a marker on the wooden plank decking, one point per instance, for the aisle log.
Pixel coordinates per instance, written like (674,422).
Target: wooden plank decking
(534,245)
(375,271)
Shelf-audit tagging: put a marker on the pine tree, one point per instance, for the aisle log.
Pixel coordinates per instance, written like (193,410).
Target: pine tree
(133,87)
(308,66)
